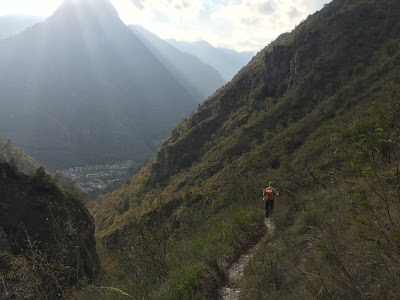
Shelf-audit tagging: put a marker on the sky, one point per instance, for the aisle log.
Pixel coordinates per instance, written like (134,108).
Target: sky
(243,25)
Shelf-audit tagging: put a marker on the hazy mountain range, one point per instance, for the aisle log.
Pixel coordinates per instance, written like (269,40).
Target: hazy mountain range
(81,87)
(200,79)
(226,61)
(14,24)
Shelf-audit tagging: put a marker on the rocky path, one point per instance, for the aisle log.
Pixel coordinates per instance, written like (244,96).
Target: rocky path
(232,290)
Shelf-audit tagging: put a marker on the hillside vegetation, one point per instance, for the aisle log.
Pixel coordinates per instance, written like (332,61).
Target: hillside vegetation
(317,112)
(14,155)
(47,245)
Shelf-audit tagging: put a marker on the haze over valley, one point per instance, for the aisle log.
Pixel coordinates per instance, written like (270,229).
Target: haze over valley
(119,92)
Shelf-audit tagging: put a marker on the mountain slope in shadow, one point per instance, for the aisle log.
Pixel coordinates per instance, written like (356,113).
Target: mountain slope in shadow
(82,88)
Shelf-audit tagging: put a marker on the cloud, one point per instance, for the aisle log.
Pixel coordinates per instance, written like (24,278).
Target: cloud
(255,23)
(251,21)
(294,13)
(139,3)
(247,44)
(42,8)
(266,8)
(166,6)
(237,24)
(182,5)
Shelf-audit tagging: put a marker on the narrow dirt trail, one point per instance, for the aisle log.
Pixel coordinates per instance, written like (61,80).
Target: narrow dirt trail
(232,290)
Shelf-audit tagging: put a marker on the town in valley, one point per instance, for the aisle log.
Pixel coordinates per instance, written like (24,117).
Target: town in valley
(97,177)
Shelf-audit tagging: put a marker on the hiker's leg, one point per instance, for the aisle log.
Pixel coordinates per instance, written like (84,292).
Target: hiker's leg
(267,208)
(271,206)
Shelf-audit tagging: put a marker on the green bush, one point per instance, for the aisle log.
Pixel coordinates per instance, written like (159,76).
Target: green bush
(187,282)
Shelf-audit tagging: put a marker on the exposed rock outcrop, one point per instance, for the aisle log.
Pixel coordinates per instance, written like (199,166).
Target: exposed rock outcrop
(47,227)
(279,64)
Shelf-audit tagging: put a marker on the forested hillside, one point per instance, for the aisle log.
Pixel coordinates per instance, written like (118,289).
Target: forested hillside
(317,112)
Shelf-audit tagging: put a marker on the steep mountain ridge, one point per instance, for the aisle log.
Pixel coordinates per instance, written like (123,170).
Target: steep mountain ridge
(199,79)
(272,73)
(93,93)
(333,80)
(280,84)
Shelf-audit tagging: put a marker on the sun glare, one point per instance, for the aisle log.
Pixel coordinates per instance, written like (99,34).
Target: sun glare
(40,8)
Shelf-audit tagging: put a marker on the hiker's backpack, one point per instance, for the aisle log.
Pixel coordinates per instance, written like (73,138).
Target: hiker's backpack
(269,194)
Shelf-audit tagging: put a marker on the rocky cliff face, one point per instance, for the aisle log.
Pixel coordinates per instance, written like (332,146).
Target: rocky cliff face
(45,232)
(272,71)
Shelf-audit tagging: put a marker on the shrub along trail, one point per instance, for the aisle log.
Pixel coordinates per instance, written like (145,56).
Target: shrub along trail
(232,290)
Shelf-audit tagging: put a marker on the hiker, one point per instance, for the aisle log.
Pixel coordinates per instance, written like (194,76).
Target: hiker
(269,197)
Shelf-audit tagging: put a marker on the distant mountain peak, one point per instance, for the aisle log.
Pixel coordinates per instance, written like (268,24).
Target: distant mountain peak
(101,9)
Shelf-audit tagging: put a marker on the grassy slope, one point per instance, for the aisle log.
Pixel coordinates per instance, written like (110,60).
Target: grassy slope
(272,122)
